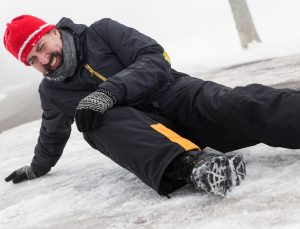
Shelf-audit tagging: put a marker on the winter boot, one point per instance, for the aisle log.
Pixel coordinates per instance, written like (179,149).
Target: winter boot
(238,168)
(209,172)
(236,163)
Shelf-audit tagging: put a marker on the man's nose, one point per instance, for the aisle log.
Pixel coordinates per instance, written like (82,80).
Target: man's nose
(43,58)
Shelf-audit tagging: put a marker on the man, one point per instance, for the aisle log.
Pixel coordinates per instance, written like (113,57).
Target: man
(133,107)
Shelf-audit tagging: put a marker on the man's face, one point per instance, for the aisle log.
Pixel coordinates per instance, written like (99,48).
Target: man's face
(46,56)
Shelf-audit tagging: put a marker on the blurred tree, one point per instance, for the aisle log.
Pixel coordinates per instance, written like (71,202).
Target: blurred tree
(244,22)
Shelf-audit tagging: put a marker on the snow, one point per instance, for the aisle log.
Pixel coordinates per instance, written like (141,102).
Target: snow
(87,190)
(269,71)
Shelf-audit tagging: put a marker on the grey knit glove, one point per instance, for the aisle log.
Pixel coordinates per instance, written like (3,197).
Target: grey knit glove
(25,173)
(90,110)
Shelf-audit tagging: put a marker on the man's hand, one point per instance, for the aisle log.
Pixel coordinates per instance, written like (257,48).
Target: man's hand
(24,173)
(90,110)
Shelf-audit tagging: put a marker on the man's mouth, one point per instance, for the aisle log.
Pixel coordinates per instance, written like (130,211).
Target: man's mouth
(54,63)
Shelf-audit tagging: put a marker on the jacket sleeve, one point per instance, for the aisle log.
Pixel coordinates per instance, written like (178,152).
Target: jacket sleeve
(146,67)
(54,133)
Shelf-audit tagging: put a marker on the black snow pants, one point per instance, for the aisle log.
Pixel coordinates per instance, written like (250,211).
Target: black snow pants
(205,113)
(226,119)
(142,143)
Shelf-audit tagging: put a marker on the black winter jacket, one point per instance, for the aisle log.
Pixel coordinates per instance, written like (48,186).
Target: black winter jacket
(133,63)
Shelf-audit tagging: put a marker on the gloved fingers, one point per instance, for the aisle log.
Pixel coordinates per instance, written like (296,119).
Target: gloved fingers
(87,119)
(20,178)
(84,119)
(11,176)
(97,121)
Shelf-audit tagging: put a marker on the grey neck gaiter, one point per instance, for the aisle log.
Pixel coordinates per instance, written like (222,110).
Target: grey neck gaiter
(68,68)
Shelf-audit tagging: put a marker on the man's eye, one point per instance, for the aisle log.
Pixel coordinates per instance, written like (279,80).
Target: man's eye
(39,48)
(32,61)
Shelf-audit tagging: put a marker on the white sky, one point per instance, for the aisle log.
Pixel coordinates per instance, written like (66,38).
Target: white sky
(190,30)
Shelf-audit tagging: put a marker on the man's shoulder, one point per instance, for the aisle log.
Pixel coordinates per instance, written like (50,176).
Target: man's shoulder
(67,23)
(102,21)
(51,92)
(44,86)
(48,87)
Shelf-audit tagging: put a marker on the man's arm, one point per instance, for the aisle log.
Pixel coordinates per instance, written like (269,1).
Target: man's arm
(147,69)
(54,133)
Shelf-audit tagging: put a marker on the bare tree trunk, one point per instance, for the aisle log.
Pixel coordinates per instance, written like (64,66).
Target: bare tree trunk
(244,22)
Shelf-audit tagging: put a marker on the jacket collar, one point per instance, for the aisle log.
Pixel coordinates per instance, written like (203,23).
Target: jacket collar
(78,31)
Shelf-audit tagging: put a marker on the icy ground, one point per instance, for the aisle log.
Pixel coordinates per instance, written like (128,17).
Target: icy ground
(87,190)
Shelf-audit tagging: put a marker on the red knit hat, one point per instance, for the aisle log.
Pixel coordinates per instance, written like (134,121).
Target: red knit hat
(22,34)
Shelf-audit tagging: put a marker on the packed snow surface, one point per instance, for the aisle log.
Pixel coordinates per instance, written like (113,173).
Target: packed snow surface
(87,190)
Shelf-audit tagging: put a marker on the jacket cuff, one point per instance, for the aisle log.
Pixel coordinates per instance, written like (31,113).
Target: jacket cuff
(39,171)
(110,94)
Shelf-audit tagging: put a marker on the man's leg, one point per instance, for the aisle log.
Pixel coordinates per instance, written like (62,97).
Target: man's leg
(264,114)
(228,119)
(145,147)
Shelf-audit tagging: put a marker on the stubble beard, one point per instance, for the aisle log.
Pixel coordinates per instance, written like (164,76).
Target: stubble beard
(50,70)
